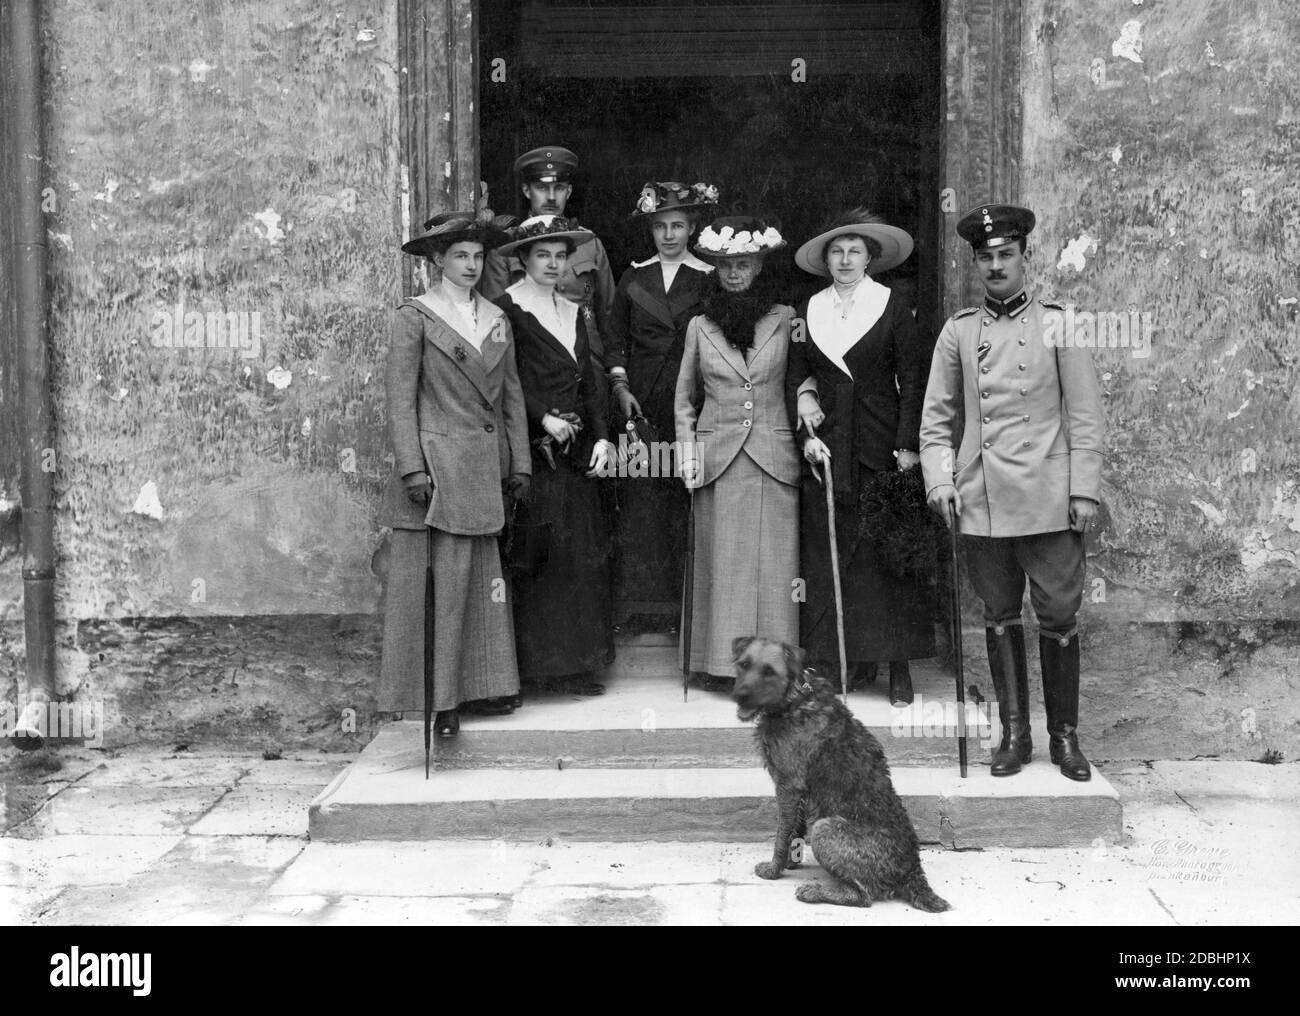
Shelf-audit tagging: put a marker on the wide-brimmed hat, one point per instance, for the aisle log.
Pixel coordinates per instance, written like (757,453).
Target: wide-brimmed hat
(671,196)
(545,227)
(447,228)
(737,236)
(895,244)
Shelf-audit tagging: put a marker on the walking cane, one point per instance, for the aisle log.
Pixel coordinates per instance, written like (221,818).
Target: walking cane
(835,575)
(428,647)
(955,608)
(688,595)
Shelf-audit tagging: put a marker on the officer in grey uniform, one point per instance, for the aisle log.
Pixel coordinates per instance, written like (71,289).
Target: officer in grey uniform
(547,175)
(1024,484)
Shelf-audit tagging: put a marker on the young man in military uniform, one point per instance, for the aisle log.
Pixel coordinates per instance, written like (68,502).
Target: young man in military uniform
(1024,485)
(547,173)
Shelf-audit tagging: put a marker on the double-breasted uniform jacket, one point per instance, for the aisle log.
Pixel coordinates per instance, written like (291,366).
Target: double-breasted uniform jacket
(553,379)
(743,404)
(1034,425)
(645,326)
(454,412)
(587,280)
(878,409)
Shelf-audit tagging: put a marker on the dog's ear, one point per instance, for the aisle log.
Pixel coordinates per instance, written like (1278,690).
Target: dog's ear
(739,645)
(796,657)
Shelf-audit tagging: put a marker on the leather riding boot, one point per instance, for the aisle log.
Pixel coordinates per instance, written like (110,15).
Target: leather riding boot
(900,683)
(1006,645)
(1061,696)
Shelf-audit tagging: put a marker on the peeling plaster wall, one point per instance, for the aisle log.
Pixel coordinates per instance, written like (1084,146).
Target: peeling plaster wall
(219,174)
(1160,153)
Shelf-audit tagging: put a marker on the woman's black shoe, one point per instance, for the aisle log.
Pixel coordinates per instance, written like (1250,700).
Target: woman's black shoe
(900,683)
(863,673)
(516,700)
(582,684)
(489,707)
(447,723)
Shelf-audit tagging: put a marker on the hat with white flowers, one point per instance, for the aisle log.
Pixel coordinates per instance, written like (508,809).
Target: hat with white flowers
(737,236)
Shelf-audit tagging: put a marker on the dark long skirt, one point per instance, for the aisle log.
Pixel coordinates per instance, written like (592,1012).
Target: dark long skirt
(562,608)
(885,617)
(651,538)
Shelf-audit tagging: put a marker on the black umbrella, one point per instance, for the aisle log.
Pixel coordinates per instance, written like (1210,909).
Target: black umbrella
(428,649)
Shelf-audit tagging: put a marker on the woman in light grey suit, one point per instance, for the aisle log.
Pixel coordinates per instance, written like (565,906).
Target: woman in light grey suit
(459,438)
(739,453)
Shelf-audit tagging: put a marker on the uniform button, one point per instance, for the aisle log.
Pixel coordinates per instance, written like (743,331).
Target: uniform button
(749,405)
(1022,342)
(1024,391)
(984,395)
(487,404)
(987,322)
(745,424)
(987,444)
(984,370)
(748,386)
(1026,444)
(489,428)
(1022,366)
(986,419)
(1025,418)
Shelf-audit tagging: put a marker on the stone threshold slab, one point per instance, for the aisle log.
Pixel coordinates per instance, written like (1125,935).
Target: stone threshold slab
(384,796)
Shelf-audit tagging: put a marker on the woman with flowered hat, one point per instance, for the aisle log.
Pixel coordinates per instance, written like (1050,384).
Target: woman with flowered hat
(652,304)
(559,548)
(739,455)
(868,363)
(459,438)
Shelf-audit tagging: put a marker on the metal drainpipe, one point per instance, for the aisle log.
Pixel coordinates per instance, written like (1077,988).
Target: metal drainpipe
(34,396)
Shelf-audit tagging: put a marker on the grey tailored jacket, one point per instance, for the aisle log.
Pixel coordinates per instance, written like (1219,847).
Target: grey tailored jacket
(455,413)
(1035,428)
(742,404)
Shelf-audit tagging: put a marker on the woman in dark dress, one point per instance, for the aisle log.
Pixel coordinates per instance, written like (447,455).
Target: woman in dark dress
(559,549)
(866,365)
(653,303)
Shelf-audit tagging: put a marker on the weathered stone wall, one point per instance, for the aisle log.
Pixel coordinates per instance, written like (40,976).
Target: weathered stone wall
(220,174)
(1160,152)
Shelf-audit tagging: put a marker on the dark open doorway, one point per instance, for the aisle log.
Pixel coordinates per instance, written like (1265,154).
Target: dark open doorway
(798,110)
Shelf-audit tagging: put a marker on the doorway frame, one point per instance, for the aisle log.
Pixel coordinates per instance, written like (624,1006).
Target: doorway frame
(981,123)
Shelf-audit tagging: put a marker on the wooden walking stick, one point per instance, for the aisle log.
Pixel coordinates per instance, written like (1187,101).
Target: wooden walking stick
(955,608)
(835,575)
(688,595)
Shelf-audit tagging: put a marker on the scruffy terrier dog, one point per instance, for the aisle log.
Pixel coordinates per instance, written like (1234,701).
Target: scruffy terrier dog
(826,763)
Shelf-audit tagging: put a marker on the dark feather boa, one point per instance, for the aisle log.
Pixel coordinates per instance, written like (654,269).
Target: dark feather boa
(908,537)
(736,314)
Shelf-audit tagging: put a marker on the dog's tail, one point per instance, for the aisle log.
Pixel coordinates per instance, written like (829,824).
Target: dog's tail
(921,896)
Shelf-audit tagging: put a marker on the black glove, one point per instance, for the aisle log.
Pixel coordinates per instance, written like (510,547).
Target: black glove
(517,486)
(627,402)
(418,488)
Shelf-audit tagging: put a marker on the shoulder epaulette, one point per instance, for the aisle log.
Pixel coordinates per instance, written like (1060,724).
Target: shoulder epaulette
(1051,304)
(966,312)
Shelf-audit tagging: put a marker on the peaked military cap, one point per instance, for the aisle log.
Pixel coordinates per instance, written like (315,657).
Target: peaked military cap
(995,225)
(548,164)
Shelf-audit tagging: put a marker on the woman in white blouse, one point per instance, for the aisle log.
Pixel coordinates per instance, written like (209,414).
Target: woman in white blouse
(867,363)
(559,551)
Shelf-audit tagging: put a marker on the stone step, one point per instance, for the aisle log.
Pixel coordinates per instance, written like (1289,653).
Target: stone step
(385,796)
(642,722)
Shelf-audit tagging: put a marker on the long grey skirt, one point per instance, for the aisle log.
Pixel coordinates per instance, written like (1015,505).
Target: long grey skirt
(746,563)
(474,632)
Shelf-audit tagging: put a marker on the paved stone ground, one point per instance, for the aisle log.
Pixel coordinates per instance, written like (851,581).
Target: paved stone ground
(149,838)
